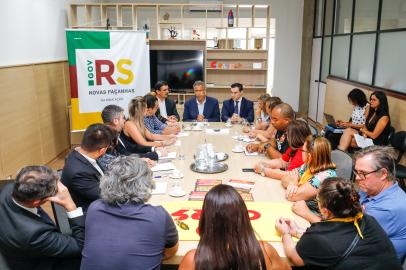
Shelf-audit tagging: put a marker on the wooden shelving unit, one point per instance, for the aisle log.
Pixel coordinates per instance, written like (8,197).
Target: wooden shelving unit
(245,43)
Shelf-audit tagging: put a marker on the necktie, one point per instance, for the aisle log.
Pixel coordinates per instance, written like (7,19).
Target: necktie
(236,107)
(44,216)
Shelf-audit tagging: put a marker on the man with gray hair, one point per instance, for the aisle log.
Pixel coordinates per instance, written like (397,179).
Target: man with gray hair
(121,228)
(201,107)
(380,194)
(29,239)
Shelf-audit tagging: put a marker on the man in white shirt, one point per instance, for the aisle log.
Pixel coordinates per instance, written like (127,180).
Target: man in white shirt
(201,107)
(81,173)
(167,111)
(29,239)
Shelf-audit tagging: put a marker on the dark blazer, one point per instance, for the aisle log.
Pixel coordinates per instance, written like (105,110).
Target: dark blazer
(29,243)
(170,110)
(211,110)
(126,146)
(82,179)
(246,109)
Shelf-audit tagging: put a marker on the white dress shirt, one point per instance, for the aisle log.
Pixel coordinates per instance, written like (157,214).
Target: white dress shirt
(72,214)
(200,106)
(94,163)
(162,108)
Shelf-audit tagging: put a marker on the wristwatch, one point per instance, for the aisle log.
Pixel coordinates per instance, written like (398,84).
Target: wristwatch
(266,146)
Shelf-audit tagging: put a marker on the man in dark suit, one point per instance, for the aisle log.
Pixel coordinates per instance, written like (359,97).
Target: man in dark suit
(167,107)
(201,106)
(81,172)
(29,240)
(237,107)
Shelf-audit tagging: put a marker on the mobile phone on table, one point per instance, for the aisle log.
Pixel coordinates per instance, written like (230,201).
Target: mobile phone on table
(248,170)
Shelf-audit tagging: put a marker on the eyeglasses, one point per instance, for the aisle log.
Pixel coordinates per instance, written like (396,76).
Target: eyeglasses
(363,175)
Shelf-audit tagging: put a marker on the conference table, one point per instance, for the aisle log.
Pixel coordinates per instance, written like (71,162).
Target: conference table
(264,190)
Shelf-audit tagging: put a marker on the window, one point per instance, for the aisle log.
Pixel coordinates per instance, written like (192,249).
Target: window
(343,17)
(366,15)
(339,60)
(362,58)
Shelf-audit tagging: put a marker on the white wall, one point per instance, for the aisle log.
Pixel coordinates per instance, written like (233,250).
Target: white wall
(288,16)
(32,31)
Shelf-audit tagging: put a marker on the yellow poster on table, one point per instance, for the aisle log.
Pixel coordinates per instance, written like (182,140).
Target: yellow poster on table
(262,215)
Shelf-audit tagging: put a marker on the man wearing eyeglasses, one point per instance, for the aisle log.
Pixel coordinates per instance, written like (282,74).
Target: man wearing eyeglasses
(381,196)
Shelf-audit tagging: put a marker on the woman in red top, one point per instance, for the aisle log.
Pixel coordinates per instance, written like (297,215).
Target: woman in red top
(297,132)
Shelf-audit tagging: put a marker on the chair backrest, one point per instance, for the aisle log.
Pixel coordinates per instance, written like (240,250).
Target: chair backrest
(3,263)
(61,218)
(344,164)
(398,141)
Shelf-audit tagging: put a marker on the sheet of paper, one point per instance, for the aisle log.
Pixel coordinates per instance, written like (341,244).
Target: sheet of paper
(221,131)
(177,143)
(250,154)
(167,166)
(171,155)
(182,134)
(160,188)
(363,142)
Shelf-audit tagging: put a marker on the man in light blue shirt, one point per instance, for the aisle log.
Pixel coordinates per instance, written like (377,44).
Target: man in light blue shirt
(381,196)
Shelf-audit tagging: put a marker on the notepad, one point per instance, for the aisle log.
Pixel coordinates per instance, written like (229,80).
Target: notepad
(163,167)
(171,155)
(362,141)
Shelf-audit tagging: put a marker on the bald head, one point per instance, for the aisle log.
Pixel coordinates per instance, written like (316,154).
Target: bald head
(281,115)
(285,111)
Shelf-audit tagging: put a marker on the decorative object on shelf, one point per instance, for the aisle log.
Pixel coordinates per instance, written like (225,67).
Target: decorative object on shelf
(236,44)
(226,43)
(230,18)
(172,32)
(195,34)
(146,29)
(166,16)
(258,43)
(213,64)
(216,42)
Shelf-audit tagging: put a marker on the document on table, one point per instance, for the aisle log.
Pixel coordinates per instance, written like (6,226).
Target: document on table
(250,154)
(167,166)
(217,131)
(170,155)
(160,188)
(362,141)
(182,134)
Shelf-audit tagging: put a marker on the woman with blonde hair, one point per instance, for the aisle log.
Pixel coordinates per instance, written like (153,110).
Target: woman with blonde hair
(135,128)
(303,184)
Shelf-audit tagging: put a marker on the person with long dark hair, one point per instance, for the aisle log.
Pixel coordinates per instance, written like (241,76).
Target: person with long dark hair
(358,100)
(227,239)
(346,238)
(377,124)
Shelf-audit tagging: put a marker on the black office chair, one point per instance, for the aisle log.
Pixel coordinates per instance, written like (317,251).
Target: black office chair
(344,164)
(3,263)
(398,141)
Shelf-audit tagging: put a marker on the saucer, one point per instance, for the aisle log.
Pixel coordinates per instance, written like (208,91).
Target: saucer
(228,125)
(179,176)
(235,137)
(177,194)
(237,150)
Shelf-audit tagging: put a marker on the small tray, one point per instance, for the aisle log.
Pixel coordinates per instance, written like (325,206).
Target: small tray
(217,168)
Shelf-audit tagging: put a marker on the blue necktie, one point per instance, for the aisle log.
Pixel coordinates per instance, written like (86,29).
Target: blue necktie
(236,107)
(44,216)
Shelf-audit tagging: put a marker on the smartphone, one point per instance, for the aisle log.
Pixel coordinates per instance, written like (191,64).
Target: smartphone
(248,170)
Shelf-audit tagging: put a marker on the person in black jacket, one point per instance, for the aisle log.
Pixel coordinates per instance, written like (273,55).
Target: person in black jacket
(167,107)
(29,239)
(82,172)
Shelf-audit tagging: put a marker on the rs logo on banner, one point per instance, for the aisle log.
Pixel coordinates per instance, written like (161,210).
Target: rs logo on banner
(95,71)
